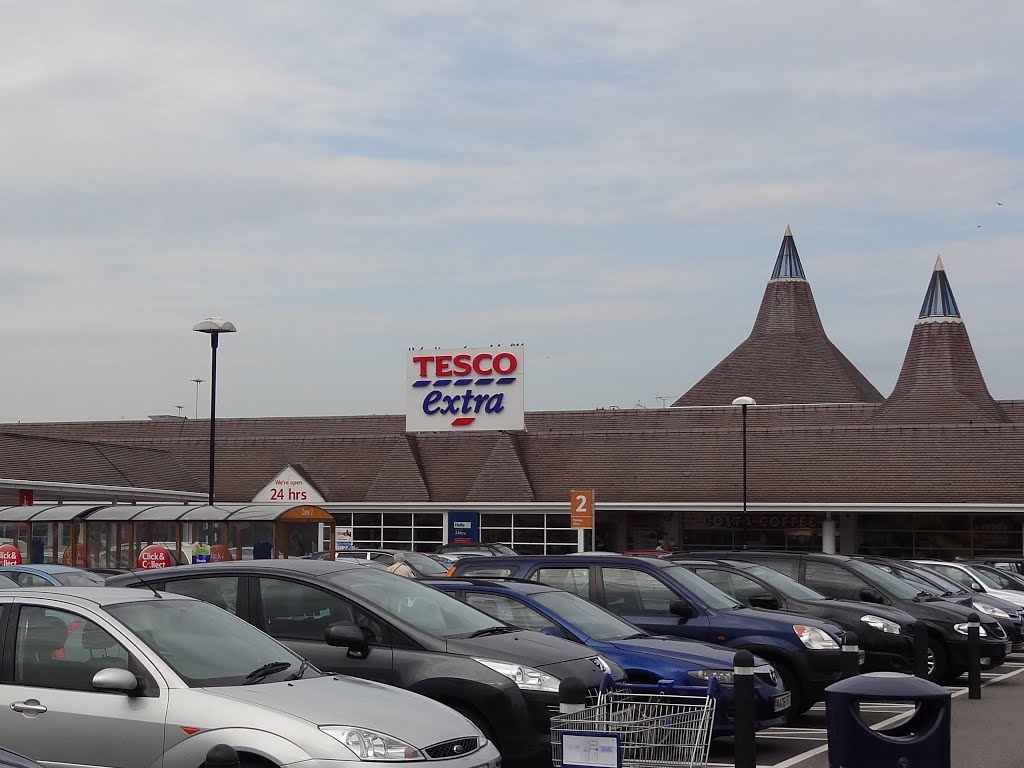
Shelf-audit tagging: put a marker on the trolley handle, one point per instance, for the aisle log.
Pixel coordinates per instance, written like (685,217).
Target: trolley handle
(665,687)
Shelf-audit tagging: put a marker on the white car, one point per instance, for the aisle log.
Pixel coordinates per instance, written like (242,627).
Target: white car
(986,581)
(105,677)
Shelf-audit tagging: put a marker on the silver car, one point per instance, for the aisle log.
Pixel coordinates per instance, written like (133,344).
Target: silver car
(122,677)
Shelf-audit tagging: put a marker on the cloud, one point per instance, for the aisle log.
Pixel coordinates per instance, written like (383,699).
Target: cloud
(607,178)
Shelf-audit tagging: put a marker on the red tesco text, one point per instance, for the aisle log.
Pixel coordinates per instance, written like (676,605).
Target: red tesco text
(483,364)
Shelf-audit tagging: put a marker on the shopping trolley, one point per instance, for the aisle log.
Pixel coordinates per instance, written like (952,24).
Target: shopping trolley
(637,726)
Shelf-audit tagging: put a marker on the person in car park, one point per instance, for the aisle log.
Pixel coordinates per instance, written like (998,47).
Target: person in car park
(400,567)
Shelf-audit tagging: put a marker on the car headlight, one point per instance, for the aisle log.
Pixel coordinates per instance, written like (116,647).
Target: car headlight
(527,678)
(991,610)
(962,629)
(604,664)
(723,676)
(370,745)
(815,639)
(882,625)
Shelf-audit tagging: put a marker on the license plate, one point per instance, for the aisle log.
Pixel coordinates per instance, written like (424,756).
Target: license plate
(861,656)
(782,701)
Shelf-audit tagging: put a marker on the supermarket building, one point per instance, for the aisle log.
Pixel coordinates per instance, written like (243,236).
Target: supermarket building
(934,469)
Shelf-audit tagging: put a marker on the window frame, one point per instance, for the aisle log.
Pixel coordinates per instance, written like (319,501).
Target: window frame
(10,618)
(594,589)
(259,619)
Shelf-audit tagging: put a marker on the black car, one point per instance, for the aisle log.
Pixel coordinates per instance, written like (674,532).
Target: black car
(1006,613)
(424,566)
(847,577)
(883,633)
(348,618)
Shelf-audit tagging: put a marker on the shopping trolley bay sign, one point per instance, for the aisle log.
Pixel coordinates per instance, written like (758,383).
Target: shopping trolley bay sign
(469,389)
(583,749)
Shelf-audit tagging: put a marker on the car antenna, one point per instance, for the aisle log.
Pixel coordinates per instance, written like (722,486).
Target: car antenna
(145,583)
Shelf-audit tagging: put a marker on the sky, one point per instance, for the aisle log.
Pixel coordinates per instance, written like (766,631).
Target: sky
(605,182)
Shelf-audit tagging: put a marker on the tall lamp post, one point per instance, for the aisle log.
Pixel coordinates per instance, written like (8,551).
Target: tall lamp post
(214,327)
(743,403)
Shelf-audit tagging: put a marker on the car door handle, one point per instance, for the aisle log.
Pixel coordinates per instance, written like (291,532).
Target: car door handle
(31,706)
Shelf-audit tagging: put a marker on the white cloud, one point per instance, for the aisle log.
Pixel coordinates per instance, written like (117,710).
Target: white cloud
(345,177)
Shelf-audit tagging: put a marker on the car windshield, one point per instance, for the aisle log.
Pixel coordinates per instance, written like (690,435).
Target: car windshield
(935,579)
(997,579)
(893,585)
(7,583)
(421,606)
(79,579)
(783,583)
(710,595)
(206,646)
(917,580)
(424,565)
(590,619)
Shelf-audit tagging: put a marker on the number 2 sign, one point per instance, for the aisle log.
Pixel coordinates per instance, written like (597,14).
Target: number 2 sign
(581,508)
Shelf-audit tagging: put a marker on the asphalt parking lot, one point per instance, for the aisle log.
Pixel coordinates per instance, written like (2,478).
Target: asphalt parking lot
(805,743)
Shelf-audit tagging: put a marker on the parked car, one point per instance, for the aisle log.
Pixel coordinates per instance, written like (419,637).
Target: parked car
(1006,613)
(116,677)
(401,632)
(666,599)
(51,576)
(644,657)
(421,564)
(980,578)
(7,583)
(484,550)
(883,633)
(847,577)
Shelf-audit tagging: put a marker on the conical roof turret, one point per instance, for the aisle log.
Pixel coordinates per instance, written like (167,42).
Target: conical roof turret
(788,357)
(941,380)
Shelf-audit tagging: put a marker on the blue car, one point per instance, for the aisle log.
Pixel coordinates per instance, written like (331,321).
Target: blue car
(51,576)
(664,598)
(644,657)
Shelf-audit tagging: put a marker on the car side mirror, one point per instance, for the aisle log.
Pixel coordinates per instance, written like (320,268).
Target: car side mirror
(976,587)
(682,609)
(870,596)
(345,634)
(115,680)
(765,601)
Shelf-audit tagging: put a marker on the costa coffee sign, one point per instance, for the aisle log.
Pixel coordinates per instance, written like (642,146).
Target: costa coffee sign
(467,390)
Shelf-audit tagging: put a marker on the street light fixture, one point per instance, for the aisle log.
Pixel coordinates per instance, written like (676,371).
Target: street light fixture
(214,326)
(744,402)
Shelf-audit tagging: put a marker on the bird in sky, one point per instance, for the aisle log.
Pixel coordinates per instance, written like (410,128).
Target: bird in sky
(998,203)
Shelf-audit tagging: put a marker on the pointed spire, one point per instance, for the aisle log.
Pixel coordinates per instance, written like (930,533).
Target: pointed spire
(787,265)
(939,304)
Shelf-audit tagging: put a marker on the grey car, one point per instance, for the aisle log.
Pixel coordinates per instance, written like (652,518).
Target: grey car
(123,677)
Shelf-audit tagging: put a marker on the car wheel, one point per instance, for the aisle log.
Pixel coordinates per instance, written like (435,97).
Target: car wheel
(938,662)
(791,683)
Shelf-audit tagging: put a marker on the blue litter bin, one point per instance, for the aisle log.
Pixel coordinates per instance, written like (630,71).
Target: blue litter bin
(922,741)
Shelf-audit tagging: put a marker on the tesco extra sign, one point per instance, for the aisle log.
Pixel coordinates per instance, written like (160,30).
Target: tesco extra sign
(468,389)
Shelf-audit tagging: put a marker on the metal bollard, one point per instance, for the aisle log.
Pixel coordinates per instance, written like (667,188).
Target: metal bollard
(973,656)
(744,744)
(920,649)
(222,756)
(572,695)
(851,656)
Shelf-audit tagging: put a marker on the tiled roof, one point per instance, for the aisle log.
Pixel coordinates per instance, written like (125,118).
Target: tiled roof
(941,380)
(788,357)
